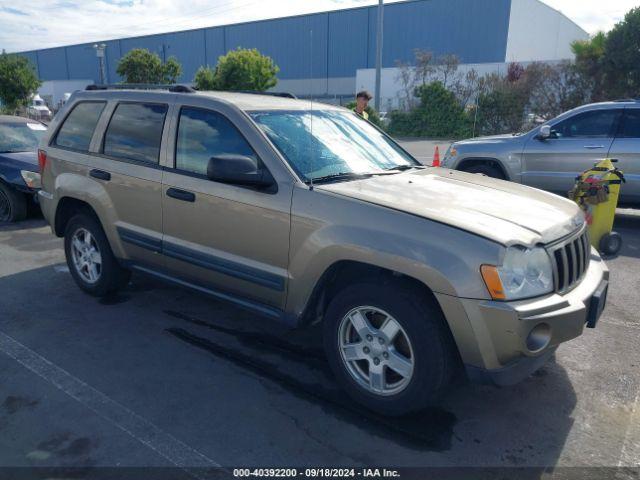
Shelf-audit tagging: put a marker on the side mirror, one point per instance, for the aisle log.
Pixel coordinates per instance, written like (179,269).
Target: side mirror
(238,170)
(545,132)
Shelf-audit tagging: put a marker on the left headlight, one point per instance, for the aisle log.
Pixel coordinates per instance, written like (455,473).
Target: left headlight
(32,179)
(524,273)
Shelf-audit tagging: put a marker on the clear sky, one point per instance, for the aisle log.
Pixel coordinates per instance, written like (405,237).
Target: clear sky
(32,24)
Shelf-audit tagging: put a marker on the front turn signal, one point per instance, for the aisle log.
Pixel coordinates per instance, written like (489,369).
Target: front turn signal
(493,282)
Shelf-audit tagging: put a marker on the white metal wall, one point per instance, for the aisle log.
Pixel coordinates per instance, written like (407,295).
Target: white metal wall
(537,32)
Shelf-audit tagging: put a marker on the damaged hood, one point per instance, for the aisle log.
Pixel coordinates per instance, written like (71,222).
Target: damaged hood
(504,212)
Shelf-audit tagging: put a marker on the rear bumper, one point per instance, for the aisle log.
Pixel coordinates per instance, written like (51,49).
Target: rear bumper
(504,342)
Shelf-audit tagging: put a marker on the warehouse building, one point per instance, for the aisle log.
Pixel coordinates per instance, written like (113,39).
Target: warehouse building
(339,57)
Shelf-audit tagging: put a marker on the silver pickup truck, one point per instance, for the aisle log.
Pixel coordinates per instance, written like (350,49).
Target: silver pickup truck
(552,155)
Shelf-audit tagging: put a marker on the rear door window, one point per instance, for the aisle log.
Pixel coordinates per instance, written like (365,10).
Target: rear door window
(630,127)
(77,129)
(135,132)
(592,124)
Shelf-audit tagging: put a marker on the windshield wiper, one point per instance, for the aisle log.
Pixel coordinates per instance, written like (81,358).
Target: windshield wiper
(336,177)
(402,168)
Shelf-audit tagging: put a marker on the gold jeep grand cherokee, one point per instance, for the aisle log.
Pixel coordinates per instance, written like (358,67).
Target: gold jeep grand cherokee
(313,215)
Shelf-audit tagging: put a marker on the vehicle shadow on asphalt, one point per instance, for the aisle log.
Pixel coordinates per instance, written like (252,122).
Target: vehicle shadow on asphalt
(523,425)
(472,425)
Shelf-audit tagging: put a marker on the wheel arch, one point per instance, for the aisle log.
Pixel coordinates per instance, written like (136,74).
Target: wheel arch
(66,209)
(345,272)
(491,161)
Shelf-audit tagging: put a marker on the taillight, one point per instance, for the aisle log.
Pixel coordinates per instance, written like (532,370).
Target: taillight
(42,160)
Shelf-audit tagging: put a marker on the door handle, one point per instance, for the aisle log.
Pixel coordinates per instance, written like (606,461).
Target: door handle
(593,147)
(181,195)
(100,174)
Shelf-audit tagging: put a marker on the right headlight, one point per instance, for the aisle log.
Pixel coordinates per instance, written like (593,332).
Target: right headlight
(449,155)
(524,273)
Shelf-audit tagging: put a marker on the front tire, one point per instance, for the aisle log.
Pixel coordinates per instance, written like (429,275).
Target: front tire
(13,204)
(90,259)
(388,346)
(610,243)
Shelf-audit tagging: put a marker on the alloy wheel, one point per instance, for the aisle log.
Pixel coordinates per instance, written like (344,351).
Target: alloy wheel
(376,350)
(86,256)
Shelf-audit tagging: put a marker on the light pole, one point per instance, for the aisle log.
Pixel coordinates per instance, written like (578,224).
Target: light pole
(379,53)
(100,48)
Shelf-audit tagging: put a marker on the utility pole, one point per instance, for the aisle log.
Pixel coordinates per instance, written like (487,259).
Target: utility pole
(100,48)
(379,53)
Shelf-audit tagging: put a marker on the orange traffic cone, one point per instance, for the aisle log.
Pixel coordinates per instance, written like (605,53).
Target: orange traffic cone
(436,158)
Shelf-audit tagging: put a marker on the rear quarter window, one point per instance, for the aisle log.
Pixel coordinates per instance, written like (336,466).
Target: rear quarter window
(135,132)
(77,129)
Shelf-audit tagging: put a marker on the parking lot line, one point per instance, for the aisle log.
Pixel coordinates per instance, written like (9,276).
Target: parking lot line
(175,451)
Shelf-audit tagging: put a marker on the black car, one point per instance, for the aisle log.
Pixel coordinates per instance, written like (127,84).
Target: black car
(19,172)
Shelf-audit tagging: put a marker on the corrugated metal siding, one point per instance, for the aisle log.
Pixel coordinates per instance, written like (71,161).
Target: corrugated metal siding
(83,62)
(189,49)
(33,58)
(111,59)
(52,64)
(214,45)
(343,41)
(348,42)
(287,41)
(153,43)
(475,30)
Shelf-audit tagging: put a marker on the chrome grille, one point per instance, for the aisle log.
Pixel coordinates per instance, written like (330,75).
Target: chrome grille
(570,260)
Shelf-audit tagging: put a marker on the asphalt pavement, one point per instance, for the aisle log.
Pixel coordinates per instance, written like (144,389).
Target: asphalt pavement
(158,376)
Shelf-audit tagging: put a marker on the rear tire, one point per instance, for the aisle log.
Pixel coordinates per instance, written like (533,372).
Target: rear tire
(90,259)
(485,169)
(426,358)
(13,204)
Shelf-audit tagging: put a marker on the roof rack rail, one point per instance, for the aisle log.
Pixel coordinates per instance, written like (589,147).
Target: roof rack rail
(271,94)
(141,86)
(622,100)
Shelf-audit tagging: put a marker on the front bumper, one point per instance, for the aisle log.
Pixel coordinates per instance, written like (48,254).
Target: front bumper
(495,343)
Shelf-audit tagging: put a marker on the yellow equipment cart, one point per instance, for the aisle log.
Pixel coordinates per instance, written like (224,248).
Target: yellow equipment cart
(596,192)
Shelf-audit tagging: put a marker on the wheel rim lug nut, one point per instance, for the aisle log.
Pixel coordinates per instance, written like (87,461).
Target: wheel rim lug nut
(365,349)
(385,355)
(369,338)
(376,361)
(381,341)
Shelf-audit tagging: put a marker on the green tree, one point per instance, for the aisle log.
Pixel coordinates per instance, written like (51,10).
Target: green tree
(18,81)
(374,117)
(245,69)
(171,70)
(589,62)
(205,78)
(142,66)
(622,57)
(439,115)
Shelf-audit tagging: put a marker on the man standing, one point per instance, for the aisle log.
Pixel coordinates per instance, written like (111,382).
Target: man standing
(362,101)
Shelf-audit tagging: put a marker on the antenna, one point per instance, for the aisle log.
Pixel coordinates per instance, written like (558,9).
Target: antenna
(311,109)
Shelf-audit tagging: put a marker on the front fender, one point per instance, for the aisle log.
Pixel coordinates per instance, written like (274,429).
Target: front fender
(508,156)
(445,259)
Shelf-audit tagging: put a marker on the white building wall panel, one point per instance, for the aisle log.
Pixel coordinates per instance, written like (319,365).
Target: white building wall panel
(537,32)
